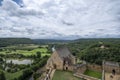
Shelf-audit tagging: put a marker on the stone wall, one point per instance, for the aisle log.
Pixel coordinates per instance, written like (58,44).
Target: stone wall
(73,59)
(55,62)
(71,68)
(80,68)
(94,67)
(103,75)
(111,68)
(85,77)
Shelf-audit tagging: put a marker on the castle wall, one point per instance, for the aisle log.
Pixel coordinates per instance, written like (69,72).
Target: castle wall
(80,68)
(111,68)
(73,59)
(94,67)
(55,61)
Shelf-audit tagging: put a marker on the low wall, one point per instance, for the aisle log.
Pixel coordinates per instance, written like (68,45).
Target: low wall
(103,75)
(81,70)
(85,77)
(94,67)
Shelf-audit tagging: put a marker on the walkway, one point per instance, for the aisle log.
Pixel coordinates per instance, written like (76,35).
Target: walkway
(52,73)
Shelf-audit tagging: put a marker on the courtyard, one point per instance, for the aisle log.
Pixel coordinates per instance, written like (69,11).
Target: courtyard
(64,75)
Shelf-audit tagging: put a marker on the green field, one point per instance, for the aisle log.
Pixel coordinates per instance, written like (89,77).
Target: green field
(11,76)
(26,52)
(64,75)
(93,74)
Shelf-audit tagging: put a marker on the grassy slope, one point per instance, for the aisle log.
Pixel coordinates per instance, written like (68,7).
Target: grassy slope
(93,74)
(63,75)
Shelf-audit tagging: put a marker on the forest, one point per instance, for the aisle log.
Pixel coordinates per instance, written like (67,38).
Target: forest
(12,41)
(96,50)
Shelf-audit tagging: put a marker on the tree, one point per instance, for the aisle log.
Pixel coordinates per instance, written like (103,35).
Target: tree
(36,75)
(11,63)
(1,59)
(26,74)
(38,54)
(2,76)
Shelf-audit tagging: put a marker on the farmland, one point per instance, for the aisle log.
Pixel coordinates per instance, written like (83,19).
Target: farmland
(36,54)
(25,50)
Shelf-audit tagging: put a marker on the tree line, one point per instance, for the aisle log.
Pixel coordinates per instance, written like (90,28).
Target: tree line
(12,41)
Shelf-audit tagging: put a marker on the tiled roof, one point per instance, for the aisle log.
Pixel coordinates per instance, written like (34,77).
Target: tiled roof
(63,52)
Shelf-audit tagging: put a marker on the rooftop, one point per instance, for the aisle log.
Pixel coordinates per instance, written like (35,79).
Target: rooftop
(110,63)
(63,52)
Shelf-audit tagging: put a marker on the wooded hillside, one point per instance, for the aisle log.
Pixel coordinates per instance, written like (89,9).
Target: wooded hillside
(12,41)
(96,50)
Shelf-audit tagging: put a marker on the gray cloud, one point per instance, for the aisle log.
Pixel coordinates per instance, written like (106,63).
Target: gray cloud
(67,23)
(60,19)
(13,9)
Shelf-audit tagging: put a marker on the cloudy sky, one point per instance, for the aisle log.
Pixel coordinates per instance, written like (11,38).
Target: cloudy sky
(60,19)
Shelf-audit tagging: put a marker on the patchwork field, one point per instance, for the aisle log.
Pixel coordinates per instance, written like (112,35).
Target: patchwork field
(26,51)
(64,75)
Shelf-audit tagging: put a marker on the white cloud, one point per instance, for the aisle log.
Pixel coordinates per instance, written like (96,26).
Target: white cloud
(66,19)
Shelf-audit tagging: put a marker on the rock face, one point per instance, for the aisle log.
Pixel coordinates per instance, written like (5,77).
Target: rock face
(61,59)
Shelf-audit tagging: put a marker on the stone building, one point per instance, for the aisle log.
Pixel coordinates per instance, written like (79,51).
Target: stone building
(111,67)
(61,59)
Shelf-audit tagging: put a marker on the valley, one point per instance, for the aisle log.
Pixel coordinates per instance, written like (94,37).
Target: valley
(26,61)
(15,60)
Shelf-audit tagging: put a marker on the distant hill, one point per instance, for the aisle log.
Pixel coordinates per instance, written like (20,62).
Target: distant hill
(81,44)
(12,41)
(98,40)
(50,41)
(96,53)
